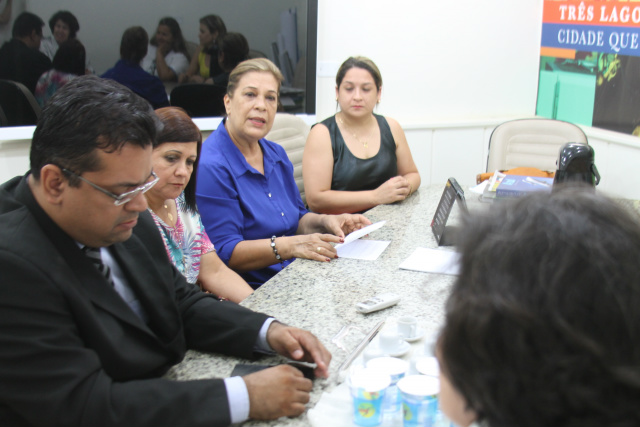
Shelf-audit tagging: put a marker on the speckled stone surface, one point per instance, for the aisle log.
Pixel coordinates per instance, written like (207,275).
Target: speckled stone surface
(320,297)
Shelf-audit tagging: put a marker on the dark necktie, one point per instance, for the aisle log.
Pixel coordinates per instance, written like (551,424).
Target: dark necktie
(94,255)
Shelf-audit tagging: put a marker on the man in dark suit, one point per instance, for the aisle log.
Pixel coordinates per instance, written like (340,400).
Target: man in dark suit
(84,340)
(20,57)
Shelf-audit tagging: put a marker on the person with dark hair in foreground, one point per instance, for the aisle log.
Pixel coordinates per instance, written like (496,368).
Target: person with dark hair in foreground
(129,72)
(542,326)
(93,311)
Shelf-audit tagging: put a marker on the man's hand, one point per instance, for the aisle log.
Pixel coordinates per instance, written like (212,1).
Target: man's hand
(277,392)
(301,345)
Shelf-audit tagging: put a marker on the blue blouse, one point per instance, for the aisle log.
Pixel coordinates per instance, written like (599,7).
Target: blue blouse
(236,202)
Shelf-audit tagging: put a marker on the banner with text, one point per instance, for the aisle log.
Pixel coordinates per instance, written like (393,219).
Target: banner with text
(590,63)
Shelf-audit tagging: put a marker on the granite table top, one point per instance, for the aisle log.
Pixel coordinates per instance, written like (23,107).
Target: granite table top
(320,297)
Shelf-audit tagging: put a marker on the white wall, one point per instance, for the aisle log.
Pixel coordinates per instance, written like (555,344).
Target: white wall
(439,60)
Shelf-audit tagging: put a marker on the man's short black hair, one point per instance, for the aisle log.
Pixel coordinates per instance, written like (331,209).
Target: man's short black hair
(25,24)
(86,114)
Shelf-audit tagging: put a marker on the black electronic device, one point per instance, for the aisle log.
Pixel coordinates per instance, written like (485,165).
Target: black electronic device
(242,369)
(446,234)
(576,163)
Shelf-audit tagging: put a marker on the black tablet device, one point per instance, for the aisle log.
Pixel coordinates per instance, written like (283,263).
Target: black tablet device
(446,234)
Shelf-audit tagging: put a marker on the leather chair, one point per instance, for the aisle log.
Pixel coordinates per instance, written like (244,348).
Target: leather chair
(531,143)
(18,104)
(199,100)
(291,133)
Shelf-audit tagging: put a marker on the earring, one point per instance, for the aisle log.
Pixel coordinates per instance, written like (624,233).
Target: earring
(336,99)
(378,101)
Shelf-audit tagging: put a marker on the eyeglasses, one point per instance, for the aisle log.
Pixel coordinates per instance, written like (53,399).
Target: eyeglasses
(124,197)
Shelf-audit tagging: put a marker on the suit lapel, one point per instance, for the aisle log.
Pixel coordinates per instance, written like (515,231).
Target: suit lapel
(81,270)
(152,289)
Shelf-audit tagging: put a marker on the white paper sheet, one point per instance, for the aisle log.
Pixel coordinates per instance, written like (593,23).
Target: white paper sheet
(433,261)
(362,232)
(362,249)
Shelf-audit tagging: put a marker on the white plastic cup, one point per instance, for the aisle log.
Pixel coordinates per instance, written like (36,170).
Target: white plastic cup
(419,400)
(389,341)
(368,388)
(396,369)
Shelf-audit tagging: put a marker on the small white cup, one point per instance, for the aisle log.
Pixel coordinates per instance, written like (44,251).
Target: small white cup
(390,341)
(408,326)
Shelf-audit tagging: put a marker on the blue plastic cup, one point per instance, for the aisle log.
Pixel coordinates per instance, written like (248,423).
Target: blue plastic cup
(396,369)
(368,388)
(419,400)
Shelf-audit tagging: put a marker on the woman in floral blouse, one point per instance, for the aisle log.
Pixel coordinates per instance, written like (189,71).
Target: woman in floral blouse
(173,207)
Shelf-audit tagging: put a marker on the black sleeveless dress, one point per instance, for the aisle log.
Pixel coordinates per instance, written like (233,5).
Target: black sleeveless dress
(351,173)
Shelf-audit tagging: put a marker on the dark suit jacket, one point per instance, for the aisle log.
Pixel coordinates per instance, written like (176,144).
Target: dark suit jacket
(20,63)
(73,353)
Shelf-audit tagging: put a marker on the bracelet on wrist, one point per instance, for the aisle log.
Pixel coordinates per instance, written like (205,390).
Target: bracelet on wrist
(275,250)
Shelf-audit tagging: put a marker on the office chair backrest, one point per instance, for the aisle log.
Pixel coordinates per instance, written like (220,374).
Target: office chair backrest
(530,143)
(199,100)
(291,133)
(3,118)
(18,104)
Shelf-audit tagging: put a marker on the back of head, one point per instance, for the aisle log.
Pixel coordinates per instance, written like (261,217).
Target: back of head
(252,65)
(86,114)
(134,44)
(25,24)
(234,48)
(177,126)
(70,57)
(69,19)
(542,325)
(215,24)
(359,62)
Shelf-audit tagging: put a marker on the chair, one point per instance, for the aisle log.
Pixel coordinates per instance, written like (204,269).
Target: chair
(3,119)
(199,100)
(18,104)
(291,133)
(530,143)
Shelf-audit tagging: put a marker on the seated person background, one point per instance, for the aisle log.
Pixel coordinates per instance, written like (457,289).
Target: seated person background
(172,203)
(167,55)
(94,313)
(20,59)
(129,73)
(204,64)
(64,26)
(247,196)
(68,63)
(233,49)
(542,325)
(356,159)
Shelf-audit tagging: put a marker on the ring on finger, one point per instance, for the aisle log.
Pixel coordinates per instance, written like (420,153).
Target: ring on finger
(319,249)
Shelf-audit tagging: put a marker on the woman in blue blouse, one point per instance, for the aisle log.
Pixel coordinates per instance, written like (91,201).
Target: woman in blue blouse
(172,204)
(246,193)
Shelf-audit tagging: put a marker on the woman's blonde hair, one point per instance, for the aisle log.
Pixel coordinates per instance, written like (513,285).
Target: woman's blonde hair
(257,64)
